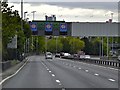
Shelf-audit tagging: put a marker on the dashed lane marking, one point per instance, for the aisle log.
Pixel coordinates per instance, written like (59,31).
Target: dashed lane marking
(86,70)
(58,81)
(74,66)
(96,74)
(49,71)
(53,75)
(111,80)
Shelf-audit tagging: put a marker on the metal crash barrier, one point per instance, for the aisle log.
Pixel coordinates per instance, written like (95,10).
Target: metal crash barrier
(111,63)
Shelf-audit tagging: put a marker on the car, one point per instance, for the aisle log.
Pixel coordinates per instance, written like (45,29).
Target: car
(119,57)
(82,56)
(62,54)
(87,56)
(57,55)
(66,54)
(48,55)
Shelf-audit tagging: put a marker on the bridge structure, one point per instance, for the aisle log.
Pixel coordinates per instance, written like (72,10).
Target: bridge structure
(77,29)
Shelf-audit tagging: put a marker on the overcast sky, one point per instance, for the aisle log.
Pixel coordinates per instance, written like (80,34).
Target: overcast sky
(70,11)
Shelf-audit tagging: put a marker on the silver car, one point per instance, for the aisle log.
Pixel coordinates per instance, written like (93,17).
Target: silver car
(48,55)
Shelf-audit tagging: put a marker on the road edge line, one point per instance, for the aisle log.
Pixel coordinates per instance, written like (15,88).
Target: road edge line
(13,73)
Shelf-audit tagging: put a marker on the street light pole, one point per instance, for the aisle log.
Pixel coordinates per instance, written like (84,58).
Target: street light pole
(25,15)
(33,14)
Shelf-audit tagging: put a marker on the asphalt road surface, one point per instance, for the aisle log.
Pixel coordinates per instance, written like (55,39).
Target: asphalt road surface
(61,73)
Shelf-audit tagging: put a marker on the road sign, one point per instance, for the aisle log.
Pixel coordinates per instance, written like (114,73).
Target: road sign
(48,27)
(63,27)
(33,26)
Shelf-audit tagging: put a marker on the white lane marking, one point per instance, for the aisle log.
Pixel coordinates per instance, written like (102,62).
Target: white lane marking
(14,73)
(58,81)
(49,71)
(50,60)
(111,80)
(91,64)
(74,66)
(86,70)
(112,68)
(96,74)
(53,75)
(60,84)
(63,88)
(102,66)
(43,64)
(79,68)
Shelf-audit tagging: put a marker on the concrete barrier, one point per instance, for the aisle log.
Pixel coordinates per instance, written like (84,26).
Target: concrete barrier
(6,65)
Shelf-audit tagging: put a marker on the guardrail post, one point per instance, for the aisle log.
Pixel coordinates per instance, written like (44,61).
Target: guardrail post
(113,63)
(110,63)
(116,64)
(105,63)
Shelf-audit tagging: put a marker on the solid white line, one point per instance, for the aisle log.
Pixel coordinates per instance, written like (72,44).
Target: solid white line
(96,74)
(111,80)
(14,73)
(112,68)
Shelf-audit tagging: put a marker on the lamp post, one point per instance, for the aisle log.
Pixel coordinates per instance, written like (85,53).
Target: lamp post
(25,15)
(33,14)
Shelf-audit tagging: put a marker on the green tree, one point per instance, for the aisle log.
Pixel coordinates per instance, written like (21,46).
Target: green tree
(11,26)
(76,45)
(65,42)
(95,46)
(41,44)
(88,46)
(51,45)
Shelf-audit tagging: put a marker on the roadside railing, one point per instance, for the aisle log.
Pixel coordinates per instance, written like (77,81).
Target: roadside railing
(111,63)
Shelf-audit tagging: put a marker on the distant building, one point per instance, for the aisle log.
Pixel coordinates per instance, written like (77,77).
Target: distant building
(50,18)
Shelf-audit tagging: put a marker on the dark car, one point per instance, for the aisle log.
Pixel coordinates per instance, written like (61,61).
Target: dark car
(62,54)
(57,55)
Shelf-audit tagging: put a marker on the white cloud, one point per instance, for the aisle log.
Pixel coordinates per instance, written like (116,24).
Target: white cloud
(65,0)
(75,14)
